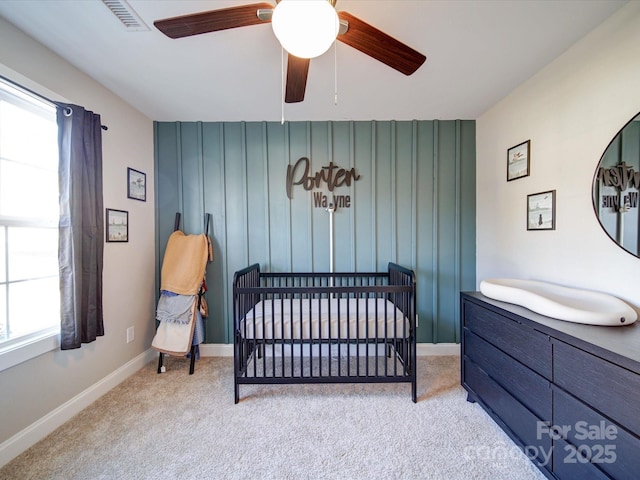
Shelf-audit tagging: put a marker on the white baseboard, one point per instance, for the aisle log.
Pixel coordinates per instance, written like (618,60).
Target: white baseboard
(12,447)
(434,349)
(216,349)
(422,349)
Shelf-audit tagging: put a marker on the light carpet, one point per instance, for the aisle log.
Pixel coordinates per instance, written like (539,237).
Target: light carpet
(180,426)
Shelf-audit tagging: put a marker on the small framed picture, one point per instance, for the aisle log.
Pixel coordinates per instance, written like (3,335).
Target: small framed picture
(541,211)
(117,225)
(136,185)
(518,158)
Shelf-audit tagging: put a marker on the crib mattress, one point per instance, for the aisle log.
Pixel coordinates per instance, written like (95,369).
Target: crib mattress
(323,319)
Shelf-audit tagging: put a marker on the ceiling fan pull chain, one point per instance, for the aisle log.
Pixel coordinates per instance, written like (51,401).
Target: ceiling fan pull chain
(335,73)
(282,86)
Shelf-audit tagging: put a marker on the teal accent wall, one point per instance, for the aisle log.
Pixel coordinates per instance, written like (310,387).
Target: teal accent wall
(414,204)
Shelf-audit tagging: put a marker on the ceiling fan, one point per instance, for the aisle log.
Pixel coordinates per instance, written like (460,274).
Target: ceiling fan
(348,29)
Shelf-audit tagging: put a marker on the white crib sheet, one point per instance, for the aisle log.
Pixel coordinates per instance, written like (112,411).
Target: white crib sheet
(304,319)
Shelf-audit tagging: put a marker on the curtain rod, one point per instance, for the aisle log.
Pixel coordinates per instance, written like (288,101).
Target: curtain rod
(42,97)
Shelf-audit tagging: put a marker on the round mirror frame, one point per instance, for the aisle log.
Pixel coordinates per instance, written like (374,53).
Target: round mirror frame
(616,187)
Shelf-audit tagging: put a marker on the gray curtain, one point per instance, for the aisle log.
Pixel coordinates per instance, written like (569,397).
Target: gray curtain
(81,228)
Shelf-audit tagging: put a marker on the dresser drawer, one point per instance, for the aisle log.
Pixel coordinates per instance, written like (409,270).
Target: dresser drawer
(519,420)
(568,465)
(606,387)
(523,343)
(605,444)
(522,383)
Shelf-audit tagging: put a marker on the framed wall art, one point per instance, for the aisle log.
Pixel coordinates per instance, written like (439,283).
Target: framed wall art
(518,161)
(541,211)
(117,225)
(136,185)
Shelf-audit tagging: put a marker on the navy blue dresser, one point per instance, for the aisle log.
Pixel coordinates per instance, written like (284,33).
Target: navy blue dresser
(567,394)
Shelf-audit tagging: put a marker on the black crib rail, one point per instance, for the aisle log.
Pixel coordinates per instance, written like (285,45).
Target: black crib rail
(277,340)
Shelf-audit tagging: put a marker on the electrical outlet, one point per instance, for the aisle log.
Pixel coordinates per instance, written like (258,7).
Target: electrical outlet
(130,334)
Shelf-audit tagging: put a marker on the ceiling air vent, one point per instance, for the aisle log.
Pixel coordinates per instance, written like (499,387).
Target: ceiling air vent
(126,14)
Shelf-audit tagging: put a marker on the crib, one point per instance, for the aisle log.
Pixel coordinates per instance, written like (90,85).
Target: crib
(300,328)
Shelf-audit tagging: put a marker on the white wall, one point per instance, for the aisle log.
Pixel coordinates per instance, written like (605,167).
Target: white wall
(570,110)
(36,393)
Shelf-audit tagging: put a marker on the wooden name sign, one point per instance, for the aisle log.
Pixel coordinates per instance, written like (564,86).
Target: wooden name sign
(328,177)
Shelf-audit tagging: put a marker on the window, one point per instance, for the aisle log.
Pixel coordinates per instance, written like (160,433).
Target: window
(29,211)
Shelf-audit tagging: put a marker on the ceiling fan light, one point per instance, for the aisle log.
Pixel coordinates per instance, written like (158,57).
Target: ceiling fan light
(305,28)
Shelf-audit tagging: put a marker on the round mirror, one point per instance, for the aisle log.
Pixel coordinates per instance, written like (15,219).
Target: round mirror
(616,185)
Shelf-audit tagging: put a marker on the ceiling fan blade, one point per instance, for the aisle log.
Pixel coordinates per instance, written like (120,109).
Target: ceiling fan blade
(297,71)
(212,21)
(377,44)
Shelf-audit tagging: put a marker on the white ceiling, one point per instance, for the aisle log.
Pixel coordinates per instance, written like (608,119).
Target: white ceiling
(477,52)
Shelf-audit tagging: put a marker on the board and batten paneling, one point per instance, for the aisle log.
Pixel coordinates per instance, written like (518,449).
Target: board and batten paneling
(413,204)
